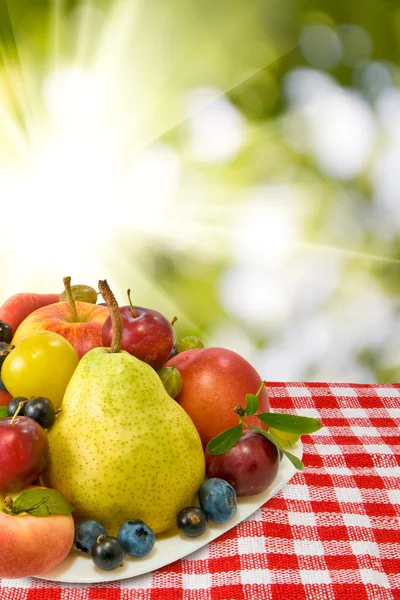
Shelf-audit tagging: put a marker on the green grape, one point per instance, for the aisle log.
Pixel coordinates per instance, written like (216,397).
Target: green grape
(171,379)
(189,343)
(81,293)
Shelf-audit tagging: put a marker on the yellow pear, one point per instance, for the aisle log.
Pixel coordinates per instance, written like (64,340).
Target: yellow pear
(122,448)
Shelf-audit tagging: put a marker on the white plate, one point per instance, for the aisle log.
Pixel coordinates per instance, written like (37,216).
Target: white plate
(78,567)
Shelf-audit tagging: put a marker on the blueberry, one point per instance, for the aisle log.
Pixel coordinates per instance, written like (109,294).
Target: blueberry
(13,405)
(86,534)
(192,521)
(40,410)
(136,537)
(218,500)
(108,553)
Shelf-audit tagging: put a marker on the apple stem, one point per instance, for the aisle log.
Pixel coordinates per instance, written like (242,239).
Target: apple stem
(130,304)
(116,319)
(174,320)
(15,415)
(71,299)
(8,502)
(260,388)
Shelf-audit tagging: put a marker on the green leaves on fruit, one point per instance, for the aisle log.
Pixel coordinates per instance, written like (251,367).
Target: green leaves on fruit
(38,502)
(290,423)
(251,404)
(296,462)
(225,440)
(288,427)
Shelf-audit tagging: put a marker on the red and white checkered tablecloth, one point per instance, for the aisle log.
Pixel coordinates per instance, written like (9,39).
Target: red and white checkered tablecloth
(333,532)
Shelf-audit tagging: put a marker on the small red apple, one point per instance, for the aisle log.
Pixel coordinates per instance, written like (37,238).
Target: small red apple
(24,452)
(33,545)
(250,466)
(81,323)
(214,382)
(146,334)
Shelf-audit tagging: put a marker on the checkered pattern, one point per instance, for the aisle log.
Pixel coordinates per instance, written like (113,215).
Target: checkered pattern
(332,533)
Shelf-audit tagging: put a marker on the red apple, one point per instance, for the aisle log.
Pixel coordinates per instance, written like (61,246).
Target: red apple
(19,306)
(214,382)
(33,545)
(146,334)
(24,452)
(84,333)
(250,466)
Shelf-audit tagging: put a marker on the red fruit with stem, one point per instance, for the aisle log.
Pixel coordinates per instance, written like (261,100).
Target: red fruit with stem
(16,308)
(24,452)
(146,334)
(250,466)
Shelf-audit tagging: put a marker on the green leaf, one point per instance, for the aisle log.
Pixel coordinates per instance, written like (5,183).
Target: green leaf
(3,412)
(251,404)
(290,423)
(296,462)
(225,440)
(40,503)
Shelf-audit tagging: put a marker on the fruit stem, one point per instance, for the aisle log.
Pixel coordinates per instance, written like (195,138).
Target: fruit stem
(8,502)
(130,304)
(174,320)
(260,388)
(116,319)
(15,415)
(71,299)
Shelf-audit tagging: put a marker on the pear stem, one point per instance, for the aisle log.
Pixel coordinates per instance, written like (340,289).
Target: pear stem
(71,299)
(130,304)
(116,319)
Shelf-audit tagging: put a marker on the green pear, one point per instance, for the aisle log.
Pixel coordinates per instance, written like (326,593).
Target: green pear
(121,447)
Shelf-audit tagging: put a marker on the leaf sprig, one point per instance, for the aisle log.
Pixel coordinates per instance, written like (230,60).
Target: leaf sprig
(279,421)
(39,502)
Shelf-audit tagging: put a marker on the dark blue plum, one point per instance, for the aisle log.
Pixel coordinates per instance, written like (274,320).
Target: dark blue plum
(136,537)
(218,500)
(86,534)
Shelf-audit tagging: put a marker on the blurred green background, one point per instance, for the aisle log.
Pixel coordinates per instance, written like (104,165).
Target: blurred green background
(235,164)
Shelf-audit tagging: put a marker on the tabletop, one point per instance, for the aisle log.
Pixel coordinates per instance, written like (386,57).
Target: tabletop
(333,532)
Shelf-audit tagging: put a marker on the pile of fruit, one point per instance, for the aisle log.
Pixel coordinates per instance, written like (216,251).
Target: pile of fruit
(112,431)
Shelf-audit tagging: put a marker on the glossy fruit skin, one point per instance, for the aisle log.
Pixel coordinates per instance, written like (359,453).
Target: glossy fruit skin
(41,365)
(108,553)
(250,466)
(192,521)
(86,534)
(83,335)
(40,410)
(215,381)
(6,332)
(13,405)
(16,308)
(218,500)
(136,538)
(24,452)
(148,335)
(5,350)
(33,545)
